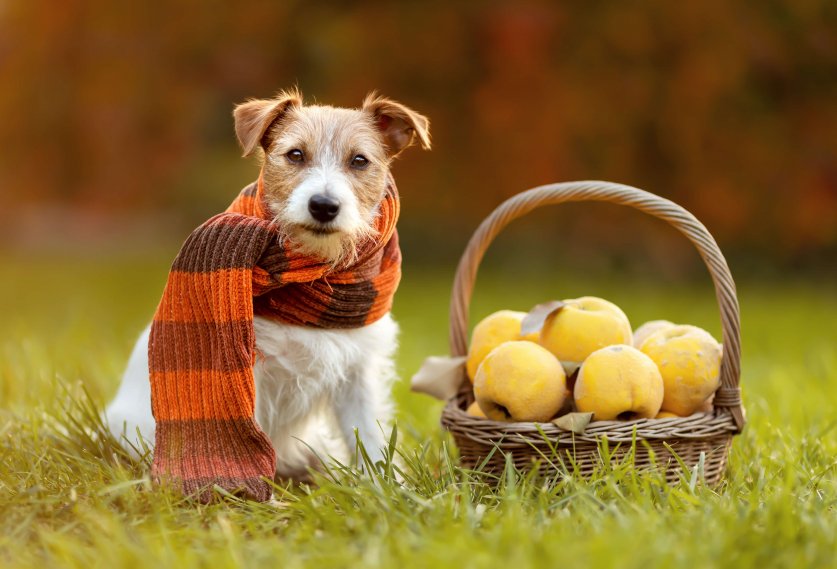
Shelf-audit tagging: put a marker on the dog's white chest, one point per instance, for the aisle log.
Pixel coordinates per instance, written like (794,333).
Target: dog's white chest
(298,368)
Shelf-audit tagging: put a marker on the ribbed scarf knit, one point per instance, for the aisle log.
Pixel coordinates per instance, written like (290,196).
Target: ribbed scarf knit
(202,345)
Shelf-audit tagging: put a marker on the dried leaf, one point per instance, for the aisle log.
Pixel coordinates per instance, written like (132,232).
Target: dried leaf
(570,368)
(533,322)
(573,422)
(439,376)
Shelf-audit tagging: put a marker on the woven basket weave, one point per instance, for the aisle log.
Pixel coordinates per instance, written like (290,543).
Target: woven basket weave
(703,438)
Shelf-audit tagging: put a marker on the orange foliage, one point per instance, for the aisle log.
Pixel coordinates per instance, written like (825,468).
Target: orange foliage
(727,108)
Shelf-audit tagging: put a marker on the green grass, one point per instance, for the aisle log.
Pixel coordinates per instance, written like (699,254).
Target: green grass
(69,501)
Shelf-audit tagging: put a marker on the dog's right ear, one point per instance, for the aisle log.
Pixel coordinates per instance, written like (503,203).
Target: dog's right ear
(254,118)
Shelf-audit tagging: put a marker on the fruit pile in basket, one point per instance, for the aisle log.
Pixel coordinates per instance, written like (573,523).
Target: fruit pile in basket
(581,356)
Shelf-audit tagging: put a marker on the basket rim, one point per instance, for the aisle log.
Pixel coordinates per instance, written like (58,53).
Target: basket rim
(728,395)
(487,431)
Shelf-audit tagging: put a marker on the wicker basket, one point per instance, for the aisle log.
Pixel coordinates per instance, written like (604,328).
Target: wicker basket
(703,438)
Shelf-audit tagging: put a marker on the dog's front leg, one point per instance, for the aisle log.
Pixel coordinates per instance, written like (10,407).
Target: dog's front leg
(363,405)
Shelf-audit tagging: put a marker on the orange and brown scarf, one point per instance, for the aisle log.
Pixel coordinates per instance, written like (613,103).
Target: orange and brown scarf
(202,345)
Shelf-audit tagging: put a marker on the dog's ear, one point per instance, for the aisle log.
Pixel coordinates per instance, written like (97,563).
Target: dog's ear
(399,125)
(254,118)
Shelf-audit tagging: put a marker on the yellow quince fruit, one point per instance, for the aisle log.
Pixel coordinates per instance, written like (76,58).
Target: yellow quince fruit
(666,415)
(689,359)
(641,334)
(582,326)
(493,330)
(520,381)
(474,410)
(619,383)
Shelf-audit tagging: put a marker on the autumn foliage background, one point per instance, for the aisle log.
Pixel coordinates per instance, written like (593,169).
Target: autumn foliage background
(116,129)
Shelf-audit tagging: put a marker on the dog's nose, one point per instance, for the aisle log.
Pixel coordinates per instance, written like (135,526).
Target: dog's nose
(323,208)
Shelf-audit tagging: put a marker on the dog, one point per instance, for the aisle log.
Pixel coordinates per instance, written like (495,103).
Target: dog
(325,171)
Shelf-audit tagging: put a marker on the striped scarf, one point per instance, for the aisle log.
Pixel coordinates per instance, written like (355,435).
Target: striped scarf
(202,345)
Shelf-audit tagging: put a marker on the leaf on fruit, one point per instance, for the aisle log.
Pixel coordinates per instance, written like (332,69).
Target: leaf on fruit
(439,376)
(570,368)
(533,322)
(573,422)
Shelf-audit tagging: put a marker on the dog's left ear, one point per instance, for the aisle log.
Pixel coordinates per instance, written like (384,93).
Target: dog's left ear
(254,118)
(399,125)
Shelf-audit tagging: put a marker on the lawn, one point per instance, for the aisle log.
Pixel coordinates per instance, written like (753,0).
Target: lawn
(65,501)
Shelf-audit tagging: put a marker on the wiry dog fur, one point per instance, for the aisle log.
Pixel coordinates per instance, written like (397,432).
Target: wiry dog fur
(314,387)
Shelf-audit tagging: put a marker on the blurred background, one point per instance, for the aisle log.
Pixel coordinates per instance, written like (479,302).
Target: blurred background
(116,129)
(116,140)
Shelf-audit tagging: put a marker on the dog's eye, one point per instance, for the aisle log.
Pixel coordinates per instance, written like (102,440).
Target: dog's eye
(296,156)
(359,162)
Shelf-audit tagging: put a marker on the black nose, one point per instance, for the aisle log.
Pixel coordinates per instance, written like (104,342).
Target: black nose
(323,208)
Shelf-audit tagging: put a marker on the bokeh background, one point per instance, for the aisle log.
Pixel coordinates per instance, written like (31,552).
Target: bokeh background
(116,128)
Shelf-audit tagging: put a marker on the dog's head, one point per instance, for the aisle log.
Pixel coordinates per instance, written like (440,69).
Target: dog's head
(325,168)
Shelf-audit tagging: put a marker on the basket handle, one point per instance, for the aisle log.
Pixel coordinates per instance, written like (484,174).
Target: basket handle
(728,395)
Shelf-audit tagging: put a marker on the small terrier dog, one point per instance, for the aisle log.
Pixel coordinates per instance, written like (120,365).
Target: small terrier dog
(325,172)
